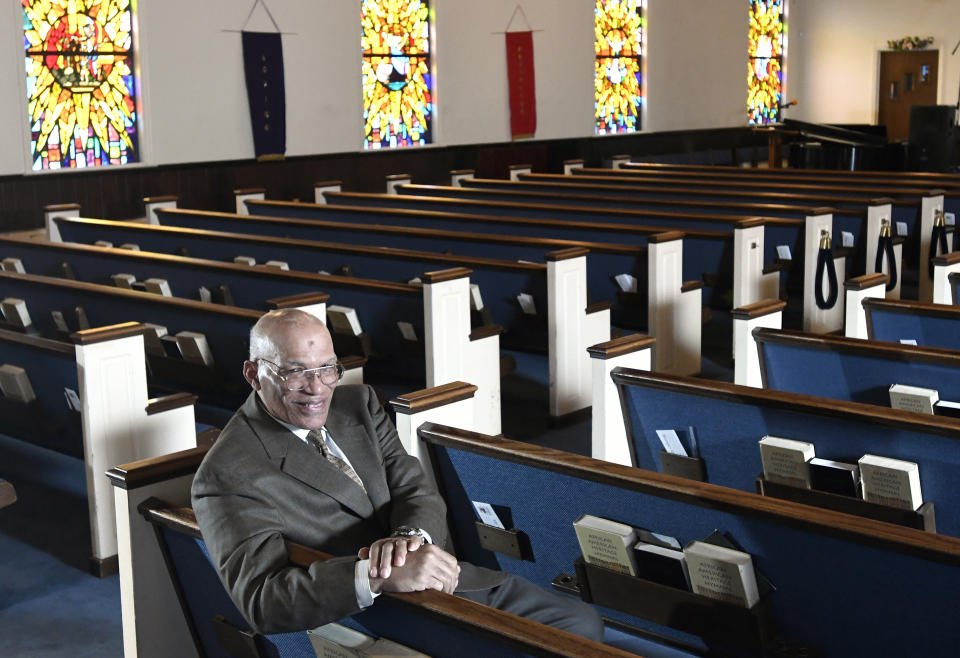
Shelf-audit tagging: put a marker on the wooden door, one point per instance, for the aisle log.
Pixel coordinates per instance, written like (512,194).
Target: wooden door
(907,78)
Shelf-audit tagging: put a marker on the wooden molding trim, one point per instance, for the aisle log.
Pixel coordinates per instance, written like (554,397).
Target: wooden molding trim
(823,210)
(61,206)
(327,183)
(485,331)
(250,190)
(451,274)
(462,172)
(596,307)
(665,236)
(304,298)
(936,192)
(693,284)
(947,259)
(514,167)
(915,353)
(565,254)
(241,238)
(392,177)
(758,309)
(161,199)
(168,402)
(620,346)
(48,344)
(910,306)
(865,281)
(931,546)
(110,332)
(750,223)
(353,361)
(430,398)
(880,201)
(68,284)
(157,469)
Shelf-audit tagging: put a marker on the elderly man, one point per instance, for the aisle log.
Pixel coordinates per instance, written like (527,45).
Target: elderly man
(319,464)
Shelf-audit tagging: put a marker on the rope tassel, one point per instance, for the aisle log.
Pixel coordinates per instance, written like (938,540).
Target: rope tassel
(825,265)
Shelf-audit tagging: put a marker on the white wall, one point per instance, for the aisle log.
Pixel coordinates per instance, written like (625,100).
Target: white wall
(696,64)
(834,62)
(695,69)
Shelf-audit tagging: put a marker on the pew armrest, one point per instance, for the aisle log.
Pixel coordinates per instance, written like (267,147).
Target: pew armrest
(857,289)
(609,440)
(747,369)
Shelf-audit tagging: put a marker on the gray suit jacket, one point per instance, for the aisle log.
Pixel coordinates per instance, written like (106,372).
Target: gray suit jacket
(260,484)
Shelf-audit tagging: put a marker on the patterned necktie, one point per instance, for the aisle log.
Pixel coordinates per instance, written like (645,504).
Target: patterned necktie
(319,440)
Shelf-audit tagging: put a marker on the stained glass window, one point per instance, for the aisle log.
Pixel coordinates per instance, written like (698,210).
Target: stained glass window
(765,60)
(80,86)
(618,38)
(397,83)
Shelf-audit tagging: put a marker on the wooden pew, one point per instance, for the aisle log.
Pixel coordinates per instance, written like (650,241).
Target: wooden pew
(563,274)
(379,305)
(673,310)
(849,369)
(915,178)
(934,201)
(840,430)
(672,304)
(803,237)
(569,191)
(933,325)
(153,625)
(429,621)
(219,385)
(104,371)
(845,585)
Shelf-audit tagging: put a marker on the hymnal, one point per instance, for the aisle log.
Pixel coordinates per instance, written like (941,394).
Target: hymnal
(158,287)
(662,564)
(123,280)
(15,312)
(279,264)
(786,461)
(194,347)
(409,333)
(913,398)
(12,265)
(130,246)
(476,300)
(151,338)
(892,482)
(337,641)
(835,477)
(343,320)
(526,303)
(947,408)
(721,573)
(606,543)
(245,260)
(15,384)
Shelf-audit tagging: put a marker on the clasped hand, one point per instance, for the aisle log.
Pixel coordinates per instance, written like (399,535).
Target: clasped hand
(406,564)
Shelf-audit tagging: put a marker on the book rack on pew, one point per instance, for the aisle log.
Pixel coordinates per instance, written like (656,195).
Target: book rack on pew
(924,518)
(752,629)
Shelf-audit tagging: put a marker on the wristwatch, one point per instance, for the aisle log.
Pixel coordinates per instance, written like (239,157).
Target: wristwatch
(409,531)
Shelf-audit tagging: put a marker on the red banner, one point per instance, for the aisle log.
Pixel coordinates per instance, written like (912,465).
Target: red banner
(523,90)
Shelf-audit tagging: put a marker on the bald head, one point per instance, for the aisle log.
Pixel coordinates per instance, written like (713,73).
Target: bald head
(272,328)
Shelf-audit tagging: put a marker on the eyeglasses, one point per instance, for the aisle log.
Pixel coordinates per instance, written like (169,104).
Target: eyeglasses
(297,378)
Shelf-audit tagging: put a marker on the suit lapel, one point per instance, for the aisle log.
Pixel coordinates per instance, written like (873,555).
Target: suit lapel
(302,461)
